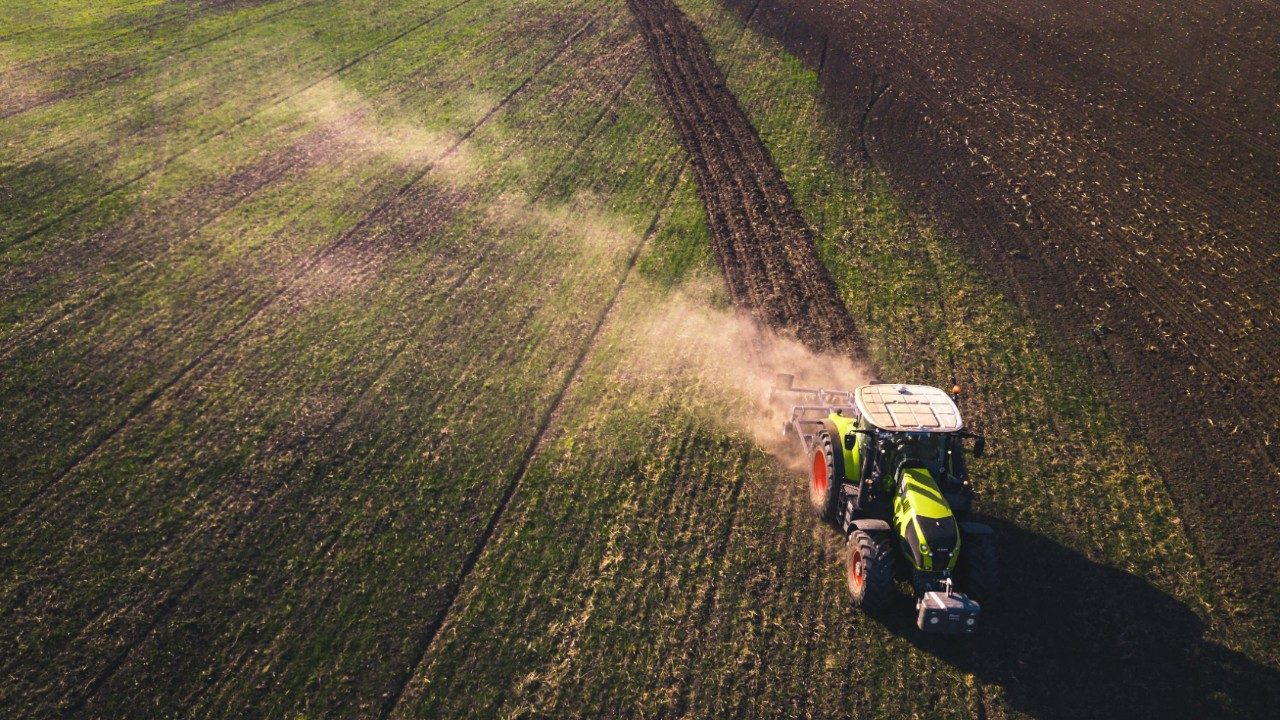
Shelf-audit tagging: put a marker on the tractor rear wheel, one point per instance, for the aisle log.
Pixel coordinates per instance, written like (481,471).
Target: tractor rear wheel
(824,480)
(978,567)
(870,562)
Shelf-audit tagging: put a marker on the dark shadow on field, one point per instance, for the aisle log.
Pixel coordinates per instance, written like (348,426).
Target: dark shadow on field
(1069,637)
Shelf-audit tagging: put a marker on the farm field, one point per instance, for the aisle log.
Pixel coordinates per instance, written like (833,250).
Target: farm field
(383,360)
(1116,166)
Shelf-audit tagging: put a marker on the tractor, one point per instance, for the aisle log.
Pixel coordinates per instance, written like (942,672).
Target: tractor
(887,468)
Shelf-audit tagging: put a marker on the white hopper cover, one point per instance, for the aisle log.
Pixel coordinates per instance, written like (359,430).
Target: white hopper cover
(918,408)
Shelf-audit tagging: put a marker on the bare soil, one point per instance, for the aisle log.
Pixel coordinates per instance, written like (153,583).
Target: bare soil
(764,246)
(1115,167)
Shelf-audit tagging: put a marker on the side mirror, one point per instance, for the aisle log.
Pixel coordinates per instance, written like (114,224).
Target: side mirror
(851,437)
(979,446)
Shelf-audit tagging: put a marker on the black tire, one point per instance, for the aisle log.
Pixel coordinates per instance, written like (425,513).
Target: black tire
(978,568)
(870,563)
(824,479)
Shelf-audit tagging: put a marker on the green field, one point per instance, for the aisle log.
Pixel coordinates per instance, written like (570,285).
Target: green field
(369,359)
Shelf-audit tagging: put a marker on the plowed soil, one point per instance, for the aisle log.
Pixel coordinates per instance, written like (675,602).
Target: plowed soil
(1116,167)
(762,242)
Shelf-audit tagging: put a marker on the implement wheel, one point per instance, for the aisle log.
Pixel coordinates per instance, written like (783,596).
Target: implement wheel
(824,479)
(870,562)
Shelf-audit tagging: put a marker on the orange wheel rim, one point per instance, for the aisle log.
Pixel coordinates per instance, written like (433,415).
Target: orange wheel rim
(856,575)
(818,479)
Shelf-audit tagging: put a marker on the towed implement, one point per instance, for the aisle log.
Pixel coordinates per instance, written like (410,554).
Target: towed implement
(887,468)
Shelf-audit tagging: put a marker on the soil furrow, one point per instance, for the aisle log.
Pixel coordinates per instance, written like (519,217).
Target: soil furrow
(763,243)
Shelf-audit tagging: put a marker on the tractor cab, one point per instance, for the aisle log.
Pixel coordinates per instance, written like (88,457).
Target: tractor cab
(904,427)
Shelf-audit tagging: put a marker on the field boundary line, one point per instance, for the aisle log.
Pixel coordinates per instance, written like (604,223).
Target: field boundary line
(75,209)
(530,454)
(262,305)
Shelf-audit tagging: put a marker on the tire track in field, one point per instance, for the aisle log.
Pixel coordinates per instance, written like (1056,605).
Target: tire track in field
(764,245)
(552,413)
(70,94)
(379,47)
(231,335)
(175,599)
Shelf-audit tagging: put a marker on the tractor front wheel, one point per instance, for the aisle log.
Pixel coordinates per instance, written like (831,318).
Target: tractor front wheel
(870,563)
(824,480)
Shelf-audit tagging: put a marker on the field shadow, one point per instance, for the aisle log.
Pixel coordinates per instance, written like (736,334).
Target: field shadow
(1069,637)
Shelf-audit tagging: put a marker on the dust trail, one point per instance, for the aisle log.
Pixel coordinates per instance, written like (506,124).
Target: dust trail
(583,225)
(731,362)
(330,103)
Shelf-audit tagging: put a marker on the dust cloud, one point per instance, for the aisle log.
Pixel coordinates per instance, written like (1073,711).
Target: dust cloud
(583,224)
(360,132)
(735,362)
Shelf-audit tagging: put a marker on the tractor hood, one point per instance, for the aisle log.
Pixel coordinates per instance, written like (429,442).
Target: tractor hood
(924,521)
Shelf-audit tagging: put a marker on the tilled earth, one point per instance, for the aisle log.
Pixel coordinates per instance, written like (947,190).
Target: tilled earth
(1116,166)
(764,246)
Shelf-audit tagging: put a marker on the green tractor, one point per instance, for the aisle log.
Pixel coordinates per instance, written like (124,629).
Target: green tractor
(887,467)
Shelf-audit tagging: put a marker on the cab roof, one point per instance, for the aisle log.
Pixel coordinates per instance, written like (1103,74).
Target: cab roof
(911,408)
